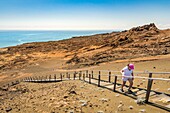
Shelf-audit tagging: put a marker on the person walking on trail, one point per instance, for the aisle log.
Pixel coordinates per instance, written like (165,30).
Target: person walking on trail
(127,75)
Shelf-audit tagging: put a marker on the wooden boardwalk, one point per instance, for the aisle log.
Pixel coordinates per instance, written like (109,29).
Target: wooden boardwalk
(110,82)
(137,93)
(147,95)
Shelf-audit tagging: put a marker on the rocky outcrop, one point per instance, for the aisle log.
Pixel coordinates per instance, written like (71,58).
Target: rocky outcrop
(140,41)
(148,27)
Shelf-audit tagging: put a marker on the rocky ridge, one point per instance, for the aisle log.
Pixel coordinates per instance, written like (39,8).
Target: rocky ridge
(81,51)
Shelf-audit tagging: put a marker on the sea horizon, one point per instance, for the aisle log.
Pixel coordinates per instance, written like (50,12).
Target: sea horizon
(17,37)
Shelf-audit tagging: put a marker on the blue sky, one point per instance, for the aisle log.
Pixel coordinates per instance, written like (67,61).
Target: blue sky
(82,14)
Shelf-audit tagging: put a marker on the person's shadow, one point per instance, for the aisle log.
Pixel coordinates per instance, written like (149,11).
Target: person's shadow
(132,93)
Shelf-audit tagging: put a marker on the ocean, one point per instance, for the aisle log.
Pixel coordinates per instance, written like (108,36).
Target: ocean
(13,38)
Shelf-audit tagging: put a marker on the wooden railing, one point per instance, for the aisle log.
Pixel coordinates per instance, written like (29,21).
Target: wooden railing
(90,75)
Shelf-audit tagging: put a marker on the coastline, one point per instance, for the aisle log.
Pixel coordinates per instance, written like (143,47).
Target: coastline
(30,36)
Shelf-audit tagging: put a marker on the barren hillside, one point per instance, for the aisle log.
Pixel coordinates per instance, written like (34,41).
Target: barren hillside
(81,51)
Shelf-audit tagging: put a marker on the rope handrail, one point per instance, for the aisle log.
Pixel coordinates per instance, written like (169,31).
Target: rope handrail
(139,77)
(136,72)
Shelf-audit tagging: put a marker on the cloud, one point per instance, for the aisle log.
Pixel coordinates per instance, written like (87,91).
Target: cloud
(163,26)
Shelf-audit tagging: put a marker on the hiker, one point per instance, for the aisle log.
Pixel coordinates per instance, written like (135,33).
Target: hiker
(127,74)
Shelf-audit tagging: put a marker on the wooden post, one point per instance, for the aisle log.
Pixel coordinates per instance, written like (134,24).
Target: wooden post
(149,87)
(99,79)
(74,75)
(79,75)
(92,74)
(50,78)
(69,76)
(109,76)
(114,88)
(84,76)
(61,76)
(55,77)
(89,78)
(86,73)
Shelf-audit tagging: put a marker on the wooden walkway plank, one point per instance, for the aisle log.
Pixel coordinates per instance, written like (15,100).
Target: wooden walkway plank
(161,98)
(141,92)
(144,94)
(110,86)
(104,83)
(135,90)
